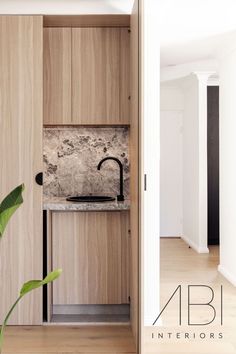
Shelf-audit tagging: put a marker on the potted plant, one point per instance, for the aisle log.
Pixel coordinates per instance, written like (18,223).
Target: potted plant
(7,208)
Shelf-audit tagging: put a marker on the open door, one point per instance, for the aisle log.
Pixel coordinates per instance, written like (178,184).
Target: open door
(149,168)
(134,173)
(21,159)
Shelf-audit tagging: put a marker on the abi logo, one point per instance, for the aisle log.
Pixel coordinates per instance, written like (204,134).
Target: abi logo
(207,306)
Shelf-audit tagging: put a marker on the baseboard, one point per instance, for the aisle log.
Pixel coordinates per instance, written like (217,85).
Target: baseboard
(168,237)
(91,313)
(229,276)
(194,246)
(122,309)
(93,319)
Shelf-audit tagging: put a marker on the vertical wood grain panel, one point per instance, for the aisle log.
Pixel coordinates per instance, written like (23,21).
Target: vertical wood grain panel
(91,247)
(57,75)
(99,80)
(125,75)
(95,83)
(125,257)
(21,158)
(49,264)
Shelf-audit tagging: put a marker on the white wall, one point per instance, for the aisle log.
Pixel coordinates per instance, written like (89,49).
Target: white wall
(228,166)
(171,161)
(183,176)
(190,163)
(171,97)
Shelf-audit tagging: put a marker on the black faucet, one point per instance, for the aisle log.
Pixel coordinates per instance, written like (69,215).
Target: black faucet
(120,197)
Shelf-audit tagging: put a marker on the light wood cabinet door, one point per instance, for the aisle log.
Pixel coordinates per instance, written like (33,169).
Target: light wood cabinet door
(92,248)
(57,76)
(21,72)
(100,80)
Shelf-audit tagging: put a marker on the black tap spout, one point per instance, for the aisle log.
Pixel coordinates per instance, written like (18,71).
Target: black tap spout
(120,197)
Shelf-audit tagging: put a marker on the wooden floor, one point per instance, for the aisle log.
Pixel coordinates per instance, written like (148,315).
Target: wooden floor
(180,265)
(113,339)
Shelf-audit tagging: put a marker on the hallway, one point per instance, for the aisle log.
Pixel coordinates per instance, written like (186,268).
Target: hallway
(180,265)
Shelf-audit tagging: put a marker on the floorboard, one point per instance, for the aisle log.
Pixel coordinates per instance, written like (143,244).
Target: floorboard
(181,265)
(69,339)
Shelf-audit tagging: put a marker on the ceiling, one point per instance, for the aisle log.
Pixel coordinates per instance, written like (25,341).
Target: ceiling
(193,30)
(209,47)
(57,7)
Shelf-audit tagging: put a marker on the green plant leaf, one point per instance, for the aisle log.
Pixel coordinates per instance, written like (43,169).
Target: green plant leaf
(9,205)
(34,284)
(26,288)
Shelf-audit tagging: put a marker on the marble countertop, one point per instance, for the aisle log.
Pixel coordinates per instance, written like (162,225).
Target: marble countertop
(55,203)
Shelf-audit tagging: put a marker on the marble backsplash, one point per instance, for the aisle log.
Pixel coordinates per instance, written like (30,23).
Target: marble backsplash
(71,156)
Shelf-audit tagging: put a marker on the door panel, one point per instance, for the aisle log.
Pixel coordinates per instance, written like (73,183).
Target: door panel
(57,75)
(92,248)
(134,172)
(21,158)
(100,81)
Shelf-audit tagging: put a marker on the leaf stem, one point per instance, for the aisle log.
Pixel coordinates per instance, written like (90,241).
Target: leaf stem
(5,322)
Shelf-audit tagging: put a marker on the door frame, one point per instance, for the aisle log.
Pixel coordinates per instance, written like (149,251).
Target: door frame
(149,165)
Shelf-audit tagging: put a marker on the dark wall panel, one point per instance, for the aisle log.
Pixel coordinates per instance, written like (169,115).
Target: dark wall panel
(213,163)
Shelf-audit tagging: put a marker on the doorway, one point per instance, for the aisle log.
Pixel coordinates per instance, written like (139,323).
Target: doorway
(213,164)
(180,163)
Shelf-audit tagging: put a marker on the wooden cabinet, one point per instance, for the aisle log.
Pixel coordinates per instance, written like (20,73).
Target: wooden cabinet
(57,76)
(86,76)
(92,248)
(21,90)
(100,82)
